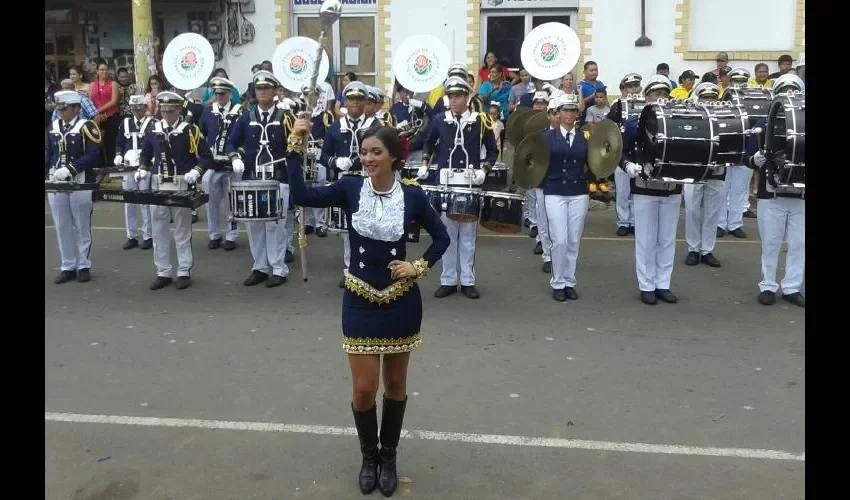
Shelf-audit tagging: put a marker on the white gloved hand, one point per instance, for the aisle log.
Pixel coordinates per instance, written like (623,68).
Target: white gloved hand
(238,166)
(344,164)
(62,174)
(759,159)
(479,176)
(414,104)
(633,169)
(422,172)
(118,161)
(141,174)
(192,176)
(402,124)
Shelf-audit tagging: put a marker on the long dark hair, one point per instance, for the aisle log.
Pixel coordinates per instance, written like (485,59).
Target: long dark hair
(396,147)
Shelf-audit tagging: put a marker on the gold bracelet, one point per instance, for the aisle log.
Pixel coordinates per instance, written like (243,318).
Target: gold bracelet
(421,267)
(295,144)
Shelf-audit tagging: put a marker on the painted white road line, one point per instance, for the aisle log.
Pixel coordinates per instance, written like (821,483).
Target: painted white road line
(576,444)
(480,235)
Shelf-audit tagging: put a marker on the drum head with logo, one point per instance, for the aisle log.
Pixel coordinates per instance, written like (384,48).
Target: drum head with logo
(293,62)
(550,51)
(421,63)
(188,61)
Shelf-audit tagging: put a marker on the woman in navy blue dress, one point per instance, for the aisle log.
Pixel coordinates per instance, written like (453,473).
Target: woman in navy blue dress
(382,306)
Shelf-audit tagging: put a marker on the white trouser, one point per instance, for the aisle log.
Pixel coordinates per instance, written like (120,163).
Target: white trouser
(216,184)
(128,183)
(543,227)
(268,240)
(316,216)
(737,198)
(701,237)
(72,214)
(624,204)
(162,237)
(531,207)
(565,216)
(462,242)
(656,221)
(782,218)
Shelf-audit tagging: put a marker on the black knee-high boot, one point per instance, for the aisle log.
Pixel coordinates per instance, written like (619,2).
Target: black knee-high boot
(367,430)
(391,420)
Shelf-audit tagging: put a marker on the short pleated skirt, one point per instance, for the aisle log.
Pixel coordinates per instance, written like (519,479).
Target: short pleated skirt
(370,328)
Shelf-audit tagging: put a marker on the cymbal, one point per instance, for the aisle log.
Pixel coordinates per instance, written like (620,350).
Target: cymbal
(538,122)
(604,148)
(514,129)
(531,161)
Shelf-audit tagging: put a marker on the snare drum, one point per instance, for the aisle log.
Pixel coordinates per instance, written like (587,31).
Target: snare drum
(409,172)
(463,204)
(436,196)
(502,212)
(497,177)
(336,220)
(678,139)
(256,200)
(755,102)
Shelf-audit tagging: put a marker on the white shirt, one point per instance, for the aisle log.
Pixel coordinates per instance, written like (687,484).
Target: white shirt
(572,133)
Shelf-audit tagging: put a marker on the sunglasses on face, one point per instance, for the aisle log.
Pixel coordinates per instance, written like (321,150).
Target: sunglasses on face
(220,93)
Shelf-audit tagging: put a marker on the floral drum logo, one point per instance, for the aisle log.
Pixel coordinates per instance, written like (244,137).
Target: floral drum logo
(548,52)
(297,64)
(189,60)
(422,65)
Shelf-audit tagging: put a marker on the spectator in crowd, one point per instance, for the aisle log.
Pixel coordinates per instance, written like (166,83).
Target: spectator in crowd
(709,77)
(589,85)
(470,79)
(761,77)
(491,61)
(75,73)
(209,95)
(340,98)
(154,87)
(250,97)
(50,88)
(495,112)
(723,80)
(722,60)
(105,94)
(87,109)
(497,89)
(687,80)
(664,69)
(801,68)
(600,109)
(520,89)
(786,64)
(126,88)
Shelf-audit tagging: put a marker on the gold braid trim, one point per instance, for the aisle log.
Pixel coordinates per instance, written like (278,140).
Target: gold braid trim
(295,144)
(380,346)
(421,266)
(387,295)
(410,182)
(194,139)
(92,132)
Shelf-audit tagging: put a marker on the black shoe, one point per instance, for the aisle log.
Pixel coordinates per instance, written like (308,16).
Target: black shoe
(275,280)
(308,230)
(571,293)
(194,218)
(632,230)
(255,278)
(183,282)
(130,243)
(321,232)
(160,282)
(721,232)
(622,231)
(526,223)
(559,294)
(648,298)
(665,296)
(547,267)
(83,275)
(795,298)
(767,298)
(229,245)
(392,416)
(692,259)
(214,244)
(445,291)
(289,257)
(738,233)
(533,232)
(470,291)
(342,282)
(710,259)
(366,423)
(749,214)
(65,276)
(538,248)
(147,244)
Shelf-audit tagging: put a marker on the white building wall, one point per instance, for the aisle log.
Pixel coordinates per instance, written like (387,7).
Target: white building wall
(444,19)
(238,60)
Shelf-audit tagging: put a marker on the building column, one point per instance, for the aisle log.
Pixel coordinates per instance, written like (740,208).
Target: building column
(282,21)
(473,38)
(142,38)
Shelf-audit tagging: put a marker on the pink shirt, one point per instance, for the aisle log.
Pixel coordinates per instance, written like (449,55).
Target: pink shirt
(101,94)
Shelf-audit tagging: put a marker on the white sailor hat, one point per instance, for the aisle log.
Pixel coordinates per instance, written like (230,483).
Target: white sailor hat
(355,89)
(739,75)
(169,99)
(554,103)
(221,83)
(787,82)
(137,100)
(801,61)
(630,79)
(66,97)
(265,79)
(67,82)
(456,84)
(458,69)
(568,102)
(657,82)
(540,96)
(374,94)
(706,90)
(495,104)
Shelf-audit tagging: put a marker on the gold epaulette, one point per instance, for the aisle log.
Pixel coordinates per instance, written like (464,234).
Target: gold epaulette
(194,139)
(410,182)
(586,135)
(92,132)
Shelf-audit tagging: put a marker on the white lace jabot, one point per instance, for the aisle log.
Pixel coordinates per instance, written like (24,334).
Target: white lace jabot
(380,215)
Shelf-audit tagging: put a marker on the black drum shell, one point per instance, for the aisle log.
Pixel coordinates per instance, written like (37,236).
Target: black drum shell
(754,101)
(687,147)
(775,138)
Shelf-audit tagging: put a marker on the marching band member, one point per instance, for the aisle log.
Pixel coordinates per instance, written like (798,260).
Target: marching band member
(475,102)
(782,216)
(738,180)
(708,198)
(73,150)
(405,111)
(259,137)
(539,103)
(377,97)
(341,148)
(656,207)
(128,147)
(543,238)
(382,306)
(461,133)
(174,158)
(566,196)
(322,120)
(629,85)
(217,122)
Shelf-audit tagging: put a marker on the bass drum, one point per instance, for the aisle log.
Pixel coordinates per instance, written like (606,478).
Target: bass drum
(732,131)
(755,102)
(786,128)
(678,139)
